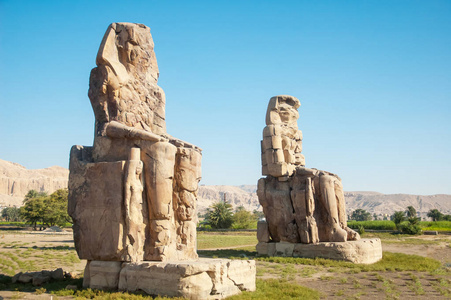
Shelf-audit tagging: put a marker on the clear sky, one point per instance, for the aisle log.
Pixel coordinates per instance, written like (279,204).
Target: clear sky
(373,78)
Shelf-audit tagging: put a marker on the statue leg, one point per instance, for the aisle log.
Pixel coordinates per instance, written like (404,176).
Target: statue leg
(159,161)
(351,234)
(328,199)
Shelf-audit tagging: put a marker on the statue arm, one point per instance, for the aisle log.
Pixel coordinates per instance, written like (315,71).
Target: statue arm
(179,143)
(115,129)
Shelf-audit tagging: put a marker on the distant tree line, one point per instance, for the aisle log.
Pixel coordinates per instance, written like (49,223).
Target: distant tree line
(436,215)
(11,214)
(362,215)
(405,221)
(49,210)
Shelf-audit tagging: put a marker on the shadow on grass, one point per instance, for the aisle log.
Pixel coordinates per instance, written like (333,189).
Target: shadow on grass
(57,248)
(66,241)
(227,253)
(58,288)
(55,286)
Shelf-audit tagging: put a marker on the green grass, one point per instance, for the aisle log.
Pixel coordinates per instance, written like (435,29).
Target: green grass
(389,262)
(407,239)
(436,226)
(390,225)
(266,289)
(276,289)
(374,225)
(207,240)
(21,224)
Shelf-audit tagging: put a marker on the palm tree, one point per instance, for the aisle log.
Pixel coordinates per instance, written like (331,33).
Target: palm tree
(411,212)
(219,215)
(398,217)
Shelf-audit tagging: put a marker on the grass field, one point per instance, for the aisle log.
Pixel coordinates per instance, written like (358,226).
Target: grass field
(211,240)
(396,276)
(390,225)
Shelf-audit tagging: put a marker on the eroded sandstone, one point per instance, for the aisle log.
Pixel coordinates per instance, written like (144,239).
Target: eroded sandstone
(301,205)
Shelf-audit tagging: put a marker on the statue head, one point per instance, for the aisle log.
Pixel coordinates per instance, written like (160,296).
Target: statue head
(127,48)
(283,109)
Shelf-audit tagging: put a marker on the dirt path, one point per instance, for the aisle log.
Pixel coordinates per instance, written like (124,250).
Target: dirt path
(226,248)
(439,247)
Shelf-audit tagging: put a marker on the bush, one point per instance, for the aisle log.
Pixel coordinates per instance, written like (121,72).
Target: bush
(243,219)
(360,215)
(361,229)
(407,227)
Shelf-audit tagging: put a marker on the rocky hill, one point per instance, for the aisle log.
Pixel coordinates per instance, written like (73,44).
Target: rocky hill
(244,195)
(16,181)
(386,204)
(373,202)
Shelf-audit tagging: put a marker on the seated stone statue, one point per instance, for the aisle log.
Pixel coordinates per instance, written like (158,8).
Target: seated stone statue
(301,205)
(130,127)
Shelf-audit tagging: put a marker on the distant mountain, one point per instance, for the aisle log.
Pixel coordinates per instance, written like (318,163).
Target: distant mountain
(382,204)
(16,181)
(373,202)
(244,195)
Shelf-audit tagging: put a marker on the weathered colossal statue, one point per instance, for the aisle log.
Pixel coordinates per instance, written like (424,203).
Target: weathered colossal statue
(132,195)
(301,205)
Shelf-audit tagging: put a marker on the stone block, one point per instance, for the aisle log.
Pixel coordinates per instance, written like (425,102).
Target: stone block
(58,274)
(200,279)
(40,278)
(363,251)
(222,285)
(262,232)
(102,275)
(267,249)
(284,249)
(242,273)
(96,206)
(25,278)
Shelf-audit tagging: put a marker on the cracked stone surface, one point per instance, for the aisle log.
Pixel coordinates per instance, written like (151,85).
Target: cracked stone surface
(200,279)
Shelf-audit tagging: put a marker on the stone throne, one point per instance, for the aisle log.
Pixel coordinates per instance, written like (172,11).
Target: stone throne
(304,208)
(132,195)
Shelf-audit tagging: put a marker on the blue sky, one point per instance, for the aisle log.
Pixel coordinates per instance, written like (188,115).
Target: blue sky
(373,78)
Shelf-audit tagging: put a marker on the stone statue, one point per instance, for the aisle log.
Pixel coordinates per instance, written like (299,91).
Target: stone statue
(301,205)
(130,127)
(133,195)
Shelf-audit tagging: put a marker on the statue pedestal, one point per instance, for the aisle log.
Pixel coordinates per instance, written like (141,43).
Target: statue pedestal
(363,251)
(200,279)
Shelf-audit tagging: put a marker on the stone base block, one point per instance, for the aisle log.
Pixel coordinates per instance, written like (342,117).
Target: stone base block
(364,251)
(200,279)
(102,275)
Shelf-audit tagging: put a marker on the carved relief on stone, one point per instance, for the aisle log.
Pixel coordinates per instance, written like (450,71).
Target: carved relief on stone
(187,177)
(301,205)
(133,203)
